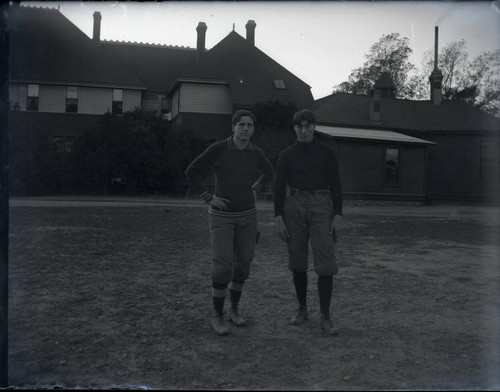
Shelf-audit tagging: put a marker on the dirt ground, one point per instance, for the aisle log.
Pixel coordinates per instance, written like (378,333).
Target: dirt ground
(105,295)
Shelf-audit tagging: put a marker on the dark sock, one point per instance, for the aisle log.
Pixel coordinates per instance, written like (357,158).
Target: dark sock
(219,304)
(218,300)
(300,282)
(325,294)
(235,290)
(235,296)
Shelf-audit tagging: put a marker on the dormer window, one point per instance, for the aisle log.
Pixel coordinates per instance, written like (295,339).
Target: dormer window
(279,84)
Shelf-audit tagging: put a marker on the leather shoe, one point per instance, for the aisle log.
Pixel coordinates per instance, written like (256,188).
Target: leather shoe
(327,326)
(300,317)
(234,317)
(219,325)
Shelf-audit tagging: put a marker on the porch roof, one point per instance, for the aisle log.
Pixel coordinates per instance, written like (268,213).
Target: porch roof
(369,134)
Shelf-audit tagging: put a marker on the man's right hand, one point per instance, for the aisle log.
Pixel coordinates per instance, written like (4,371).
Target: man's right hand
(219,203)
(281,228)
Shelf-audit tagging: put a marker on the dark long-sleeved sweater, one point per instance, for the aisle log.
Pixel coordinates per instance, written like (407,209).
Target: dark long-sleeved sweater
(308,166)
(236,173)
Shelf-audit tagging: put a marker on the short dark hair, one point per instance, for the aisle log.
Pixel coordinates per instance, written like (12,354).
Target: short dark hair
(304,115)
(240,113)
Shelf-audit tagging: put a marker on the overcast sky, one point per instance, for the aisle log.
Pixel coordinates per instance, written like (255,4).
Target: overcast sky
(319,42)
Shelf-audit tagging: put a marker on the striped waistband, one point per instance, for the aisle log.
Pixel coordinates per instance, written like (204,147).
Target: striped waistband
(232,214)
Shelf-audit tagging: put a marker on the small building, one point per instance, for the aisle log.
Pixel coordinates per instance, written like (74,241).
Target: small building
(380,165)
(404,149)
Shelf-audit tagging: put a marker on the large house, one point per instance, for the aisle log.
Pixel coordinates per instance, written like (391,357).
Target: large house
(64,81)
(56,68)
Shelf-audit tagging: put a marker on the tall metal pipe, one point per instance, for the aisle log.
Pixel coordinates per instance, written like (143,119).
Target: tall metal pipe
(436,33)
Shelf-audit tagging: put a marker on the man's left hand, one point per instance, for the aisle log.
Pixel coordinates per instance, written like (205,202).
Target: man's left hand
(335,227)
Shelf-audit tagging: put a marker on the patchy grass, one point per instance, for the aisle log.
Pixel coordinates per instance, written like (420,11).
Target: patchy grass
(120,297)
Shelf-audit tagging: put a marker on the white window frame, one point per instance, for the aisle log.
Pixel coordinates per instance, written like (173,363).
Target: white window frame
(71,93)
(33,92)
(117,97)
(398,177)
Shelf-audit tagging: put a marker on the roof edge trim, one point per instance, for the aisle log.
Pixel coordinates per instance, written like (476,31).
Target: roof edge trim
(367,134)
(80,84)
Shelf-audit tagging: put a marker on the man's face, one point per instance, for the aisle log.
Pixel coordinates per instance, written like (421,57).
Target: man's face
(244,129)
(304,131)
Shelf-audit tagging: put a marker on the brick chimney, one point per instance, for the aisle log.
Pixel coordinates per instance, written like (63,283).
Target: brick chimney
(97,26)
(200,42)
(250,26)
(436,77)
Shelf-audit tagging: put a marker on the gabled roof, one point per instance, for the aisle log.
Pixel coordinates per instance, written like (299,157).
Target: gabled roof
(249,72)
(44,46)
(399,114)
(155,65)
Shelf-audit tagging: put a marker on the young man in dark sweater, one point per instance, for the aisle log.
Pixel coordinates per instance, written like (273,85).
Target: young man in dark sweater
(308,205)
(232,212)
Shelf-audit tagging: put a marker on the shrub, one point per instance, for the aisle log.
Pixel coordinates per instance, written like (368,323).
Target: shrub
(138,148)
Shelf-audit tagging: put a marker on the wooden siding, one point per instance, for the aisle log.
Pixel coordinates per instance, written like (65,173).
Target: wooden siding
(412,169)
(94,100)
(361,170)
(91,100)
(361,167)
(18,94)
(206,98)
(52,99)
(131,100)
(453,168)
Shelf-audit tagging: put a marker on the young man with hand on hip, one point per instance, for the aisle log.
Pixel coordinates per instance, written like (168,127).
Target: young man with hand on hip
(232,212)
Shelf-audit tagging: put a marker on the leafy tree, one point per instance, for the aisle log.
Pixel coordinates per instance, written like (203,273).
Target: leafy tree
(181,147)
(390,54)
(274,131)
(139,148)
